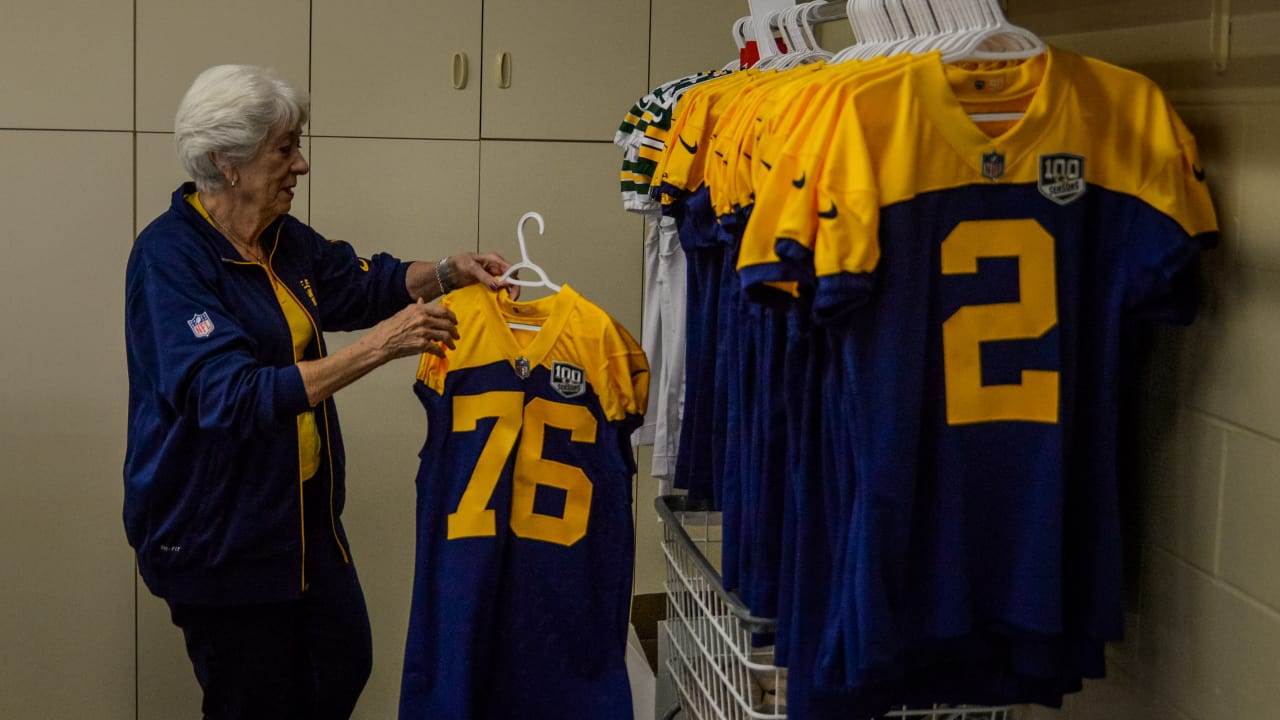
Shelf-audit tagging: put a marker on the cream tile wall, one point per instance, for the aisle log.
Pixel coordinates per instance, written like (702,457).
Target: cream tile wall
(1204,627)
(89,88)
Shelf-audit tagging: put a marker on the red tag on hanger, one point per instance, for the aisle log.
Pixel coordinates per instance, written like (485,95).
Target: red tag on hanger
(750,54)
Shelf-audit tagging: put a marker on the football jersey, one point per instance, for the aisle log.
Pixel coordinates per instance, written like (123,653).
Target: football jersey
(522,582)
(751,348)
(645,124)
(977,283)
(795,138)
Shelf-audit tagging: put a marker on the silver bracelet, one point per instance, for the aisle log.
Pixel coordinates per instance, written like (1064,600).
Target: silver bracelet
(442,274)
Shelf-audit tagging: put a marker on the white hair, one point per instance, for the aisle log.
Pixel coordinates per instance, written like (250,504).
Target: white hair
(231,110)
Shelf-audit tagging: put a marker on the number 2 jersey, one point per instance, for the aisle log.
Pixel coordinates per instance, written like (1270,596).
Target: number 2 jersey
(522,584)
(977,284)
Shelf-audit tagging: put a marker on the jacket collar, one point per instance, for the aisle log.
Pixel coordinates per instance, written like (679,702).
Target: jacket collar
(178,204)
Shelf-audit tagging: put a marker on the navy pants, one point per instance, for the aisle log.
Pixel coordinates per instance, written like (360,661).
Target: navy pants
(306,659)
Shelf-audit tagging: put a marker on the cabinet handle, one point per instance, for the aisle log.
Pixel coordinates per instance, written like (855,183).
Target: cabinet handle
(504,70)
(459,70)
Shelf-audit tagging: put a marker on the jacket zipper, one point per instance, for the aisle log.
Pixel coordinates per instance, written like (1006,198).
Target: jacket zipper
(328,445)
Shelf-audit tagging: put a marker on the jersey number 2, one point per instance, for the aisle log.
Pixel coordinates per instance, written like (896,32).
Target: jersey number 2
(1035,399)
(473,518)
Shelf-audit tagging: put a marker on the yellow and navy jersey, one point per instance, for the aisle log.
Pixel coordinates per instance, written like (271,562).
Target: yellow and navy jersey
(795,136)
(524,543)
(681,167)
(979,282)
(645,126)
(713,128)
(973,281)
(738,127)
(910,135)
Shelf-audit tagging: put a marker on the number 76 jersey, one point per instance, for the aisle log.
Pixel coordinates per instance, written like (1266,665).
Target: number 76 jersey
(522,583)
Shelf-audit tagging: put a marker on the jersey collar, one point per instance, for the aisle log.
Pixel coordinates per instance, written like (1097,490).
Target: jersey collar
(553,311)
(1018,142)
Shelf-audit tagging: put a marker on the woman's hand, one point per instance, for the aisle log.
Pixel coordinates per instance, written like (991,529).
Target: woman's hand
(416,329)
(469,268)
(432,279)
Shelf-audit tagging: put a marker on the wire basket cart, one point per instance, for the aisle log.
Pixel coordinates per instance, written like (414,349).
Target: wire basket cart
(718,671)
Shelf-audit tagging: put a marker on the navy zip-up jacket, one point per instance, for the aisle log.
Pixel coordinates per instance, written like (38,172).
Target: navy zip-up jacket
(213,498)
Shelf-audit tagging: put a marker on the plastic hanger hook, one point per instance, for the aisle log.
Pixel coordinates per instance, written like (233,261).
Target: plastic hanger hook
(525,262)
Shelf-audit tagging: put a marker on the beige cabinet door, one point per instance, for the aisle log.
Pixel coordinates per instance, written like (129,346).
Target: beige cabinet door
(413,198)
(67,621)
(396,68)
(690,37)
(178,40)
(590,242)
(67,64)
(562,69)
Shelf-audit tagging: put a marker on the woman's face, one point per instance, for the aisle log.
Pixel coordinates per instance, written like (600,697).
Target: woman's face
(268,180)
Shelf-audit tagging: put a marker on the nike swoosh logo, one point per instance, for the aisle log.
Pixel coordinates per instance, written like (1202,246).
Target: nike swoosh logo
(830,214)
(692,149)
(766,165)
(745,155)
(657,118)
(1199,172)
(800,183)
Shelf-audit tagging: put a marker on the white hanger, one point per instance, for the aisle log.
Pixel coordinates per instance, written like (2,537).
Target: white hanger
(894,28)
(774,19)
(929,31)
(525,262)
(985,34)
(802,47)
(843,55)
(901,22)
(740,27)
(990,29)
(956,24)
(799,21)
(873,28)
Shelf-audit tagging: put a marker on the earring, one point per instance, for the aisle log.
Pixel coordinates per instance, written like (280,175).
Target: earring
(233,183)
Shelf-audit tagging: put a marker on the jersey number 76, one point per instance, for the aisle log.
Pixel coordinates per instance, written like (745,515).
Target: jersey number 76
(514,418)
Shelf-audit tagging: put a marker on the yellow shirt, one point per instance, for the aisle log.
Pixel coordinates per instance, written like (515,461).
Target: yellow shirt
(302,332)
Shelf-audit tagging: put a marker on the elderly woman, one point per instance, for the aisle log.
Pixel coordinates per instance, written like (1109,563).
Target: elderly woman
(234,472)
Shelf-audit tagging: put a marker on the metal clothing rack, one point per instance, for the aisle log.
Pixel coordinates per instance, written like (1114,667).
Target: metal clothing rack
(717,671)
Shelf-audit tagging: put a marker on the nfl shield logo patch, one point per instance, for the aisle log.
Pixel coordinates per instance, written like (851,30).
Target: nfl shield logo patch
(522,367)
(201,325)
(993,165)
(568,380)
(1062,177)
